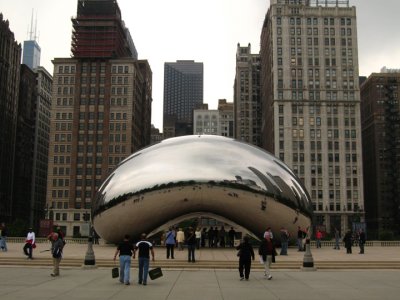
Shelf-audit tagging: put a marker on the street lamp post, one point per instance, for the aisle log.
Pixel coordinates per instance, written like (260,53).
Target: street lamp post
(308,261)
(90,260)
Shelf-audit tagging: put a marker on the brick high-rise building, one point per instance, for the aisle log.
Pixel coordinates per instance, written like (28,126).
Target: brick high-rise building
(247,98)
(101,111)
(380,115)
(311,103)
(10,57)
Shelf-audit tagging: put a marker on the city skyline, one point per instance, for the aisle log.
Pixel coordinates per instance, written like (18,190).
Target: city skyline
(178,30)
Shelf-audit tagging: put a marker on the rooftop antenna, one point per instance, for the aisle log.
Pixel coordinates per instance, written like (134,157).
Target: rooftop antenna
(35,37)
(31,32)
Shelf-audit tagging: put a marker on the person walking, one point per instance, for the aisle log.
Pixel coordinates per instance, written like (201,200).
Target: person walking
(3,237)
(337,239)
(300,237)
(246,255)
(318,237)
(191,244)
(203,237)
(180,238)
(125,251)
(216,237)
(266,251)
(231,235)
(57,246)
(222,237)
(284,241)
(197,234)
(29,244)
(361,241)
(210,234)
(145,248)
(348,241)
(170,242)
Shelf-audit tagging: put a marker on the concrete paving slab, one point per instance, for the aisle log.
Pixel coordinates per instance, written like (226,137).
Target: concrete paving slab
(76,283)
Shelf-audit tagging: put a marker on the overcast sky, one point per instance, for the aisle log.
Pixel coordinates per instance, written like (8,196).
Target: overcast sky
(206,31)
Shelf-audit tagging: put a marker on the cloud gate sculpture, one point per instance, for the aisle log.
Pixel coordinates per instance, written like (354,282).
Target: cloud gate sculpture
(205,175)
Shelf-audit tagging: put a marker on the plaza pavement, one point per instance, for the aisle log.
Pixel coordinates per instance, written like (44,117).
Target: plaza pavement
(24,281)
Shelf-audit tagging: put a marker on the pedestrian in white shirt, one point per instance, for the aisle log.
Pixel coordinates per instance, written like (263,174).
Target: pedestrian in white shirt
(29,243)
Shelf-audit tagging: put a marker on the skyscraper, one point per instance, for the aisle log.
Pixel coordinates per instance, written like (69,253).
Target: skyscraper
(311,103)
(31,49)
(101,106)
(10,57)
(31,54)
(380,115)
(183,92)
(247,98)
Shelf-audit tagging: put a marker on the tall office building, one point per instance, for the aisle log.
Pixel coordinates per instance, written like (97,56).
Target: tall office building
(31,54)
(380,115)
(25,135)
(42,112)
(31,49)
(10,57)
(311,103)
(101,111)
(247,98)
(183,92)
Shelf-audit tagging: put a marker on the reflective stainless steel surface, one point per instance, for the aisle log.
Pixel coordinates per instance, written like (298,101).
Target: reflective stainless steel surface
(207,174)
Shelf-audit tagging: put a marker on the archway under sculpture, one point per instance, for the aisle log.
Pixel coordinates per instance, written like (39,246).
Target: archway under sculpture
(209,175)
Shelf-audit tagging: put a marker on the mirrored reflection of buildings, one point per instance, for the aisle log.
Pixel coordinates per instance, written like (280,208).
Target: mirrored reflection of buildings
(247,98)
(101,111)
(380,115)
(215,122)
(183,92)
(311,103)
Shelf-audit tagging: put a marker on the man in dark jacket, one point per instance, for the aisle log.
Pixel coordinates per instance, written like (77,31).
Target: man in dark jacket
(246,254)
(191,245)
(361,241)
(266,251)
(348,241)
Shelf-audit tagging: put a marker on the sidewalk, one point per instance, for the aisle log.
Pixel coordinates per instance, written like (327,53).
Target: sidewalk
(75,284)
(22,282)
